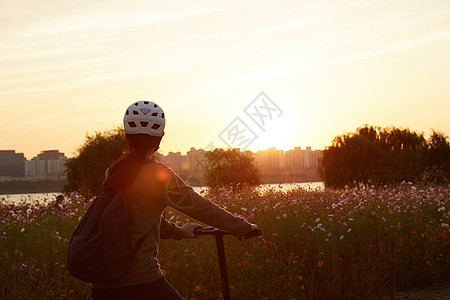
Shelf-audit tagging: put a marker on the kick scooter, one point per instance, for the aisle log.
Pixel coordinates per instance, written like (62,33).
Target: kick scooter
(218,234)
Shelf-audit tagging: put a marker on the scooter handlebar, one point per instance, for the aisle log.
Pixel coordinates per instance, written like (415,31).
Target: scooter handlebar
(214,231)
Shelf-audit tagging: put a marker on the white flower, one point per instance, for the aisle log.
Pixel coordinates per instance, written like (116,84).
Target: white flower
(285,216)
(444,225)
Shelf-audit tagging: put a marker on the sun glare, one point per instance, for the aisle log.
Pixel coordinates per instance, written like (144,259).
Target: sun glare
(277,134)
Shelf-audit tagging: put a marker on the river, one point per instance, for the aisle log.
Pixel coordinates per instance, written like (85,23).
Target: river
(44,198)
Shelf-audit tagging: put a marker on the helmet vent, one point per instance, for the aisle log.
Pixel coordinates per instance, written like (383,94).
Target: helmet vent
(155,106)
(144,124)
(162,115)
(156,126)
(132,124)
(145,111)
(145,102)
(155,114)
(128,112)
(135,112)
(136,104)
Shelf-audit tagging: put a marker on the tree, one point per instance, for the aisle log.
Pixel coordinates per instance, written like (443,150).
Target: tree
(402,156)
(384,156)
(86,172)
(350,159)
(438,158)
(231,168)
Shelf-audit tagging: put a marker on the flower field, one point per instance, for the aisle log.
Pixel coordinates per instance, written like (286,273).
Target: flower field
(323,244)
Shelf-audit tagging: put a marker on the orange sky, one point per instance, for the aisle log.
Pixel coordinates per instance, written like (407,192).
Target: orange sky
(68,68)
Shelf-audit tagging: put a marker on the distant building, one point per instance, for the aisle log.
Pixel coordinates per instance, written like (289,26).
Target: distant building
(315,158)
(294,160)
(270,160)
(307,158)
(12,164)
(50,164)
(196,160)
(176,161)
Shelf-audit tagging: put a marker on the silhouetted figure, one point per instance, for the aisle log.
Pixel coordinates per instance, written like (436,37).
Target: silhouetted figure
(150,187)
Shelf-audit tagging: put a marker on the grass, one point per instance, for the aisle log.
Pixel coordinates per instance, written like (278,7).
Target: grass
(331,244)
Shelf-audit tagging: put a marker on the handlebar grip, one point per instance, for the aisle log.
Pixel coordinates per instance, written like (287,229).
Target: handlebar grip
(253,233)
(204,230)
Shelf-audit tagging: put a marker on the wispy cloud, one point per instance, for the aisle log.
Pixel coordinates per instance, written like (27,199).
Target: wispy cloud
(278,37)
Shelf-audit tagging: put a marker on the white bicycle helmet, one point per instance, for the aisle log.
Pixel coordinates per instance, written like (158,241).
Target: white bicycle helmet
(144,117)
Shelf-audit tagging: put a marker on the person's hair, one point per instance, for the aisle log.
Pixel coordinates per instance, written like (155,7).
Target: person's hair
(123,171)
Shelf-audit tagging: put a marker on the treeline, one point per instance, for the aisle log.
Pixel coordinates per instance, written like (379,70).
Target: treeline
(379,156)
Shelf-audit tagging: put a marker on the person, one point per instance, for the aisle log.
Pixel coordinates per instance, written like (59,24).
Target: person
(58,201)
(151,186)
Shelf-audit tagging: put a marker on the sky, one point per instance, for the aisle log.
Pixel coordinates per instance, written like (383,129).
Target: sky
(248,74)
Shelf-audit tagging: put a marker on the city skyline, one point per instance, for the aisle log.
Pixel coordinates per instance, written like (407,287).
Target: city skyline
(162,153)
(273,163)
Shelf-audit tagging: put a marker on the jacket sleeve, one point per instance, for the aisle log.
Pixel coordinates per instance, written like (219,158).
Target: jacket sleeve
(168,230)
(183,198)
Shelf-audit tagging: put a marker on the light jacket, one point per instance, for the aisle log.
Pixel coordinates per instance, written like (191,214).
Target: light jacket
(155,188)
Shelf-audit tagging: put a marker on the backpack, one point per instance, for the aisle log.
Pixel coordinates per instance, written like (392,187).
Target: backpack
(99,249)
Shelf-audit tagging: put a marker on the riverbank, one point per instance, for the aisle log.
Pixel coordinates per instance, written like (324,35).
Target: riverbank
(25,187)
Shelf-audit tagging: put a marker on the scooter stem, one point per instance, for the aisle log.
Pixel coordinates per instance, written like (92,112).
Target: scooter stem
(222,266)
(218,234)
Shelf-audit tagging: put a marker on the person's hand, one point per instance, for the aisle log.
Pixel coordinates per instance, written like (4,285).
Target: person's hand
(242,236)
(188,230)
